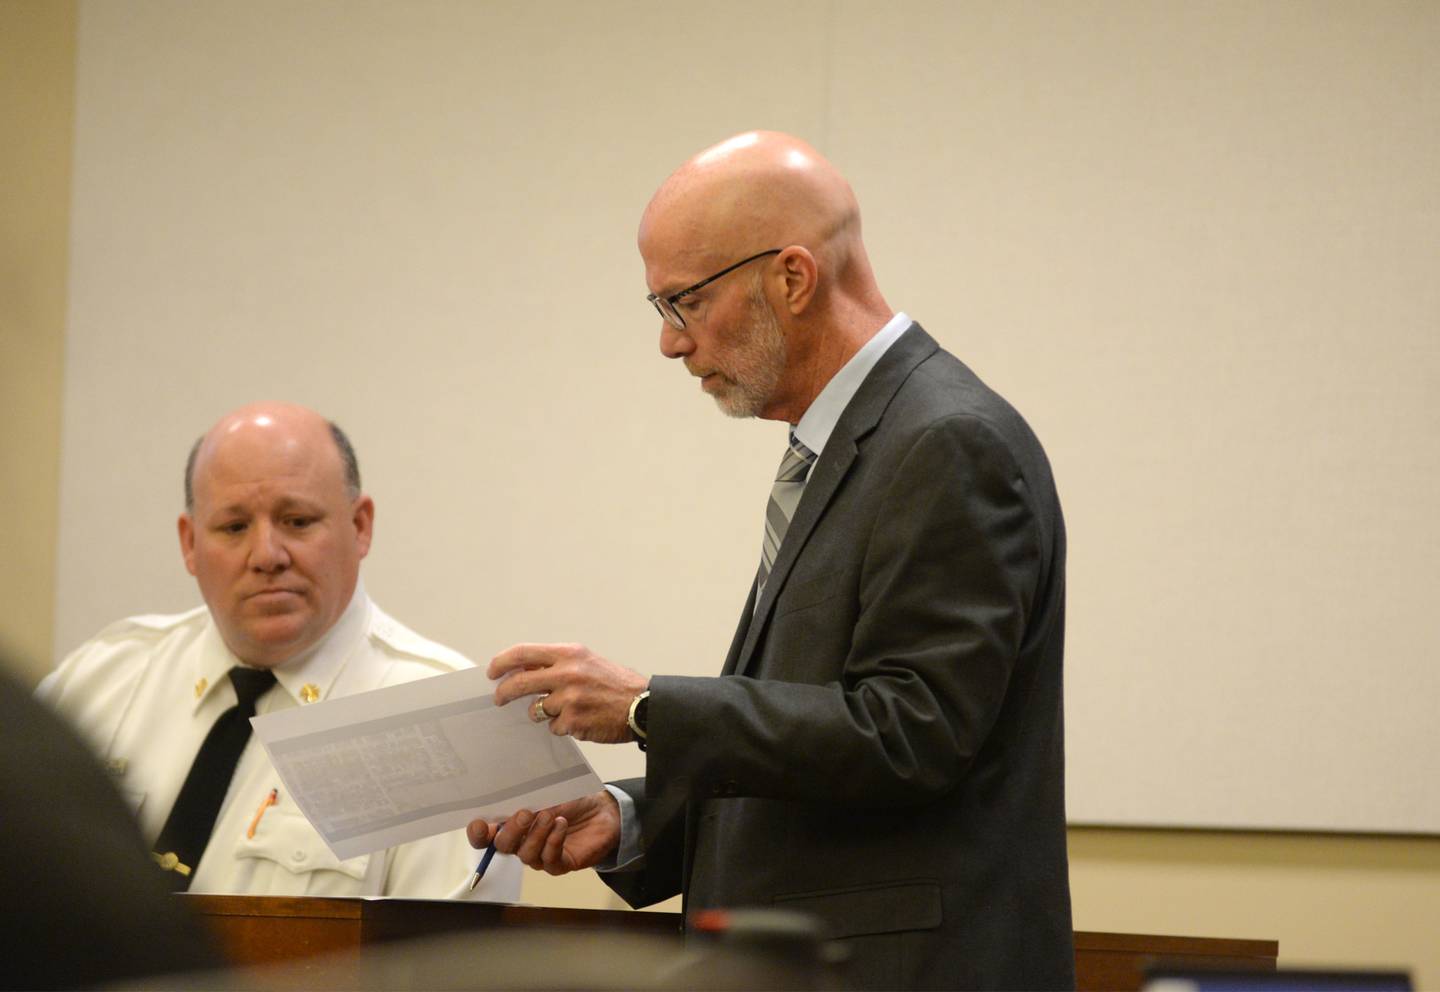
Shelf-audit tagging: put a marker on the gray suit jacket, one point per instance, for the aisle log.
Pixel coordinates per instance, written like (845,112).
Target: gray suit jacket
(885,746)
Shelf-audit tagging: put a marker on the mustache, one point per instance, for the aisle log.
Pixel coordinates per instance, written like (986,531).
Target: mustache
(698,373)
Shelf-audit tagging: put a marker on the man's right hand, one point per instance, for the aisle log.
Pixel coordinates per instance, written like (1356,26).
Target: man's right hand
(560,839)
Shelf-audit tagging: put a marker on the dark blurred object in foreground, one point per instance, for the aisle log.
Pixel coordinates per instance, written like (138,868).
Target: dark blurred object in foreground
(1163,978)
(83,904)
(761,949)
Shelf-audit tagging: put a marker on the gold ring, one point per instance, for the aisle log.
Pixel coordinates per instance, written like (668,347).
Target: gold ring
(537,709)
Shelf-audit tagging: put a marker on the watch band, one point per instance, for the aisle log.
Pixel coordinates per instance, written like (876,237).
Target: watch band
(635,726)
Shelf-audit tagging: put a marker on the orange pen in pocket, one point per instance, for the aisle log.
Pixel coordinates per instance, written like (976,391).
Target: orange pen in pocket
(265,804)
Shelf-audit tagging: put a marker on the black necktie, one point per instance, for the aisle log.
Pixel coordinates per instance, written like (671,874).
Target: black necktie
(187,830)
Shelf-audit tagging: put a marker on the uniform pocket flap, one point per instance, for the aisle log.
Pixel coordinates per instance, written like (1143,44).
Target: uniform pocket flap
(887,908)
(288,839)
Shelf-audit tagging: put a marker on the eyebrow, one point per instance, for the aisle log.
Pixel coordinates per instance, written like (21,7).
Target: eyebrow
(668,292)
(286,503)
(679,287)
(687,286)
(283,505)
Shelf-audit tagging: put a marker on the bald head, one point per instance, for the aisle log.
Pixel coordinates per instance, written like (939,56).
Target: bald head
(277,415)
(756,191)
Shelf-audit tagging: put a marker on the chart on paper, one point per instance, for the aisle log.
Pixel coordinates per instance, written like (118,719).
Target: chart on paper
(384,767)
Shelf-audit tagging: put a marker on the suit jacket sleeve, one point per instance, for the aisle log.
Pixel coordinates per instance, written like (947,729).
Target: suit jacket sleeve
(948,569)
(659,877)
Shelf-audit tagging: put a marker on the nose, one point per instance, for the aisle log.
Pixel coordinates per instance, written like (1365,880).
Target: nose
(673,343)
(267,549)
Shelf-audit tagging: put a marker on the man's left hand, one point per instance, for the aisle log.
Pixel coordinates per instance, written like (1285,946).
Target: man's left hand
(564,838)
(585,696)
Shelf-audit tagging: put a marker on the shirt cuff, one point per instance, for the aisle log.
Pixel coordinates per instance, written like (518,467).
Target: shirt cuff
(627,856)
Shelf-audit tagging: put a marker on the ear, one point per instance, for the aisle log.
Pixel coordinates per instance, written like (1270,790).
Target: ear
(802,275)
(363,517)
(186,526)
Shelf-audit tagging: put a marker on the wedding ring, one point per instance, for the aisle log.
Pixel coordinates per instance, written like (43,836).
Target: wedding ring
(537,709)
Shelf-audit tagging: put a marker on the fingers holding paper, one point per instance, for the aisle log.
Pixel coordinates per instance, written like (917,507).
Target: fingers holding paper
(580,693)
(559,839)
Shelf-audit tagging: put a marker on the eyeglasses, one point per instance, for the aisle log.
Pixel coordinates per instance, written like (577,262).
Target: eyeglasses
(665,305)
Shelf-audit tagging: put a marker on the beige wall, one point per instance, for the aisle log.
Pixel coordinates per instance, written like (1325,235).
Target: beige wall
(37,116)
(1193,243)
(1328,899)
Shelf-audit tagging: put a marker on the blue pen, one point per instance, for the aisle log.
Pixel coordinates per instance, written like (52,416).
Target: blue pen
(480,868)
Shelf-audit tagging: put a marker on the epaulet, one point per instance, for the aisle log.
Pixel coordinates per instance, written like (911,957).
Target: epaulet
(402,640)
(158,623)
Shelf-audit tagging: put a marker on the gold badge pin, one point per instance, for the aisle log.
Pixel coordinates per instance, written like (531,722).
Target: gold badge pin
(309,692)
(200,688)
(170,861)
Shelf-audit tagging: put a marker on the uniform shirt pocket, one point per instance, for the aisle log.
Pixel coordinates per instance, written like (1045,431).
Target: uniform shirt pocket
(287,839)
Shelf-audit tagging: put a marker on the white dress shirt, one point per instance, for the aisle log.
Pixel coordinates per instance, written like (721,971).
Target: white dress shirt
(818,422)
(145,692)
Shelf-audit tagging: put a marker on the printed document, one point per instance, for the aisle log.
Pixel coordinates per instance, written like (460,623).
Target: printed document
(381,768)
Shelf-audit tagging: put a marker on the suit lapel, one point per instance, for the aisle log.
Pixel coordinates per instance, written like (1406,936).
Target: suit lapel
(859,419)
(742,630)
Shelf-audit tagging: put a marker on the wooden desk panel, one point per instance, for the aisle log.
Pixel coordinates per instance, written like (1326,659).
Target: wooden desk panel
(259,930)
(1118,960)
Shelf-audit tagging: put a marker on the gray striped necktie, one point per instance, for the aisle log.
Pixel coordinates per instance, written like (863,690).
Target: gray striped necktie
(784,498)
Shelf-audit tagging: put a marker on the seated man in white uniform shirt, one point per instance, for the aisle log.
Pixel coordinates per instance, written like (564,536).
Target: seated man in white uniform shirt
(274,529)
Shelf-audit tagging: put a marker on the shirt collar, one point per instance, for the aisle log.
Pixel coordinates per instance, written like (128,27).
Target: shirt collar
(307,678)
(818,422)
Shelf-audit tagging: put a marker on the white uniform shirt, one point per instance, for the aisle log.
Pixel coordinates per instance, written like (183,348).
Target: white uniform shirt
(145,692)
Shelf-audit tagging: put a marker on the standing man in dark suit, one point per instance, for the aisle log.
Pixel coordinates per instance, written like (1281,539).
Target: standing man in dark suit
(884,746)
